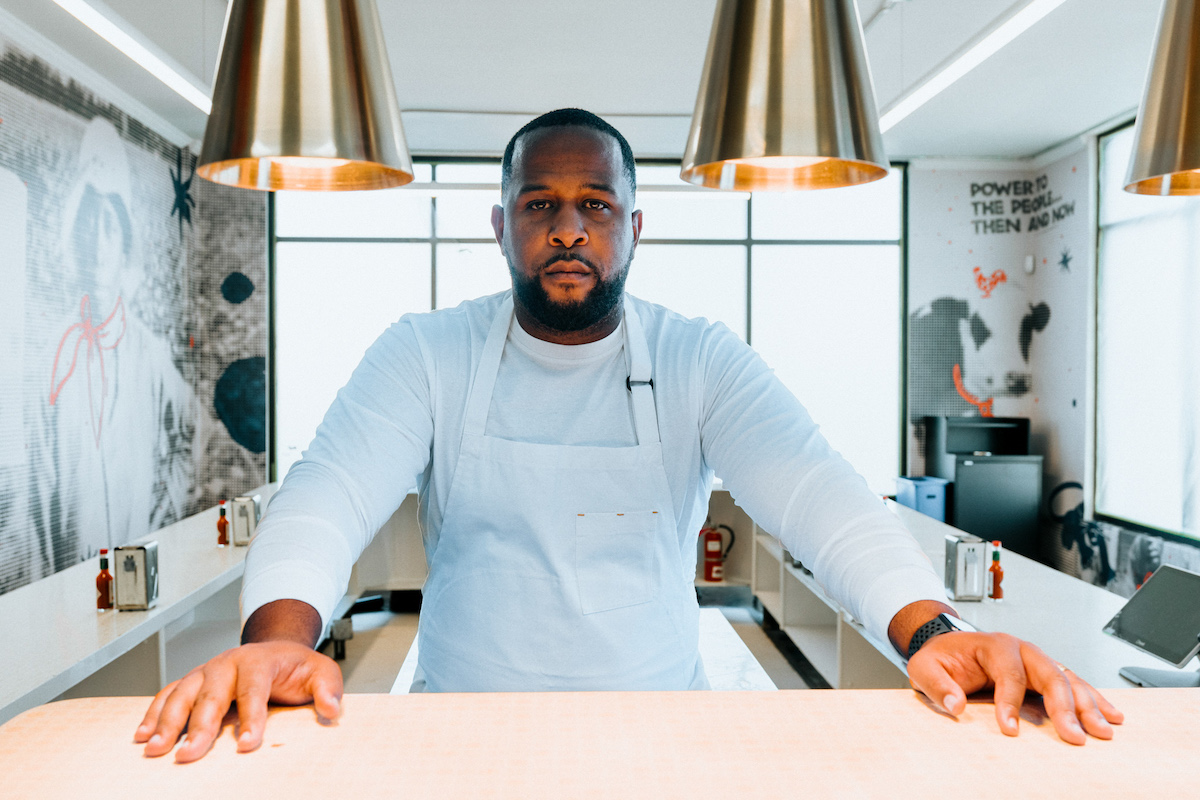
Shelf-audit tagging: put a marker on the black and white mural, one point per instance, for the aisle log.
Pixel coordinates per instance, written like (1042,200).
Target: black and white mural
(133,384)
(998,326)
(975,312)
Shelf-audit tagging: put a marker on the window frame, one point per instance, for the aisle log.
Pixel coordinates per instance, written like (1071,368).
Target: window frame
(1094,432)
(748,242)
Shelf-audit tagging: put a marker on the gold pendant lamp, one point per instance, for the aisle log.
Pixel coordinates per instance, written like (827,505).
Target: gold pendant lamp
(1166,155)
(304,100)
(785,100)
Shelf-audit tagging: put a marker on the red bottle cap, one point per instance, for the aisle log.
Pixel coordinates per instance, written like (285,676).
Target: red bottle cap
(103,551)
(223,503)
(996,542)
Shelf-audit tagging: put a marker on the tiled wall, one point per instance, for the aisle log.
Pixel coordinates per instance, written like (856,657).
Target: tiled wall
(134,333)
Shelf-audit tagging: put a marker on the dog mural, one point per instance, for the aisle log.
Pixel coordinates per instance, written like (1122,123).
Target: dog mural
(964,352)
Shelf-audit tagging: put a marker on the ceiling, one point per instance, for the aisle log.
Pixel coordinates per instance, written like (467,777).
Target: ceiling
(469,72)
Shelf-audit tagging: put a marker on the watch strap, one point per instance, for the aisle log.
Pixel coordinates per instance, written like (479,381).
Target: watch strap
(935,627)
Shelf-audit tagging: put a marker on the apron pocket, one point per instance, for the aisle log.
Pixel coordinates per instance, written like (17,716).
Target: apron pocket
(614,559)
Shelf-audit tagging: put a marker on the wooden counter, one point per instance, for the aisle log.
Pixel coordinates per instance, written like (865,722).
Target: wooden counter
(883,743)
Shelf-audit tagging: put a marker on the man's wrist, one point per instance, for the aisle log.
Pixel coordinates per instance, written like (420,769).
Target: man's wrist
(908,619)
(283,621)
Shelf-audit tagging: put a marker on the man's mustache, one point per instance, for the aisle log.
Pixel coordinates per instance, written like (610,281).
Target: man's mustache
(567,259)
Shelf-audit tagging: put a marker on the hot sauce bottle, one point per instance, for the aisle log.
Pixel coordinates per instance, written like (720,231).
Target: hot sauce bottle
(104,594)
(995,575)
(222,528)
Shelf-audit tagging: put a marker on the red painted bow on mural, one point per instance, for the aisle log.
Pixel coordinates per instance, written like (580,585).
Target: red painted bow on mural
(97,338)
(984,406)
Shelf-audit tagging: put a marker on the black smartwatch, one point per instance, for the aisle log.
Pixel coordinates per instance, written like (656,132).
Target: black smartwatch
(942,623)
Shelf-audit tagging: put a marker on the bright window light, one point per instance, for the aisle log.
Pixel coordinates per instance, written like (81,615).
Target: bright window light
(114,35)
(825,314)
(988,46)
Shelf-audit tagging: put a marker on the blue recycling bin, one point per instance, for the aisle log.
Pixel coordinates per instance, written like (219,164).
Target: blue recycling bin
(923,493)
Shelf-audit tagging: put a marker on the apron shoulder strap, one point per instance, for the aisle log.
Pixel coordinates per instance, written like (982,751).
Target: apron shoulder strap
(480,399)
(641,379)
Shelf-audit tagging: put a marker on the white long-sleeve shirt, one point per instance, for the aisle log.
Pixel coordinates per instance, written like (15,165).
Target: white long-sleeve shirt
(396,426)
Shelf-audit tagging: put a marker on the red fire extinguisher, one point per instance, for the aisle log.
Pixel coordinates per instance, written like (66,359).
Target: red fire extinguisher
(714,553)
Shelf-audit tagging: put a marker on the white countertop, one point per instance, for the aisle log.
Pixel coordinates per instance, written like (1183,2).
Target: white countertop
(1060,614)
(54,637)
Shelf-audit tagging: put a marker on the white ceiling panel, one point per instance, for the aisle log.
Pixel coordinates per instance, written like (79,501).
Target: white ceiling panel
(190,30)
(466,71)
(615,57)
(1080,67)
(909,39)
(63,31)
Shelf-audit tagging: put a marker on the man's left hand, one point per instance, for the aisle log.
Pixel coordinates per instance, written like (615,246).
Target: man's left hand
(951,666)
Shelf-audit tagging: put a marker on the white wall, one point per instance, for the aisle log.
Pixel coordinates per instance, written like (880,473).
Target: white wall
(1061,366)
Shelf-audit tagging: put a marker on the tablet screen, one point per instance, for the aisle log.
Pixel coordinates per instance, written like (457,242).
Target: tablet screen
(1163,617)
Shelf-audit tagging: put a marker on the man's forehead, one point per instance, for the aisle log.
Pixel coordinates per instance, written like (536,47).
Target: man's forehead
(567,149)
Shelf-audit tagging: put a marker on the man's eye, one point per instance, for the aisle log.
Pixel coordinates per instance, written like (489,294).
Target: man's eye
(595,204)
(538,205)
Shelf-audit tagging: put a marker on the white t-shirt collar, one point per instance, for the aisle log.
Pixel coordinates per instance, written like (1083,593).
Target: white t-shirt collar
(573,353)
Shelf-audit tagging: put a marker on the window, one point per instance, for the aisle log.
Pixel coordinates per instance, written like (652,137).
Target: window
(1147,369)
(813,282)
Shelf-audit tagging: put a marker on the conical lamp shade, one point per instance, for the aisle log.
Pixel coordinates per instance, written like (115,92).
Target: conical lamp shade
(304,100)
(785,101)
(1166,156)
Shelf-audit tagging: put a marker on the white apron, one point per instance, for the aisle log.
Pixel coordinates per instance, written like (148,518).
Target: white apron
(559,568)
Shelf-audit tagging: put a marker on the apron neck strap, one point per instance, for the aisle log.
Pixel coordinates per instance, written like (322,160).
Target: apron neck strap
(640,380)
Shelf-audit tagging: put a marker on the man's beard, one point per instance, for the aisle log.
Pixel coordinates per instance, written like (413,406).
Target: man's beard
(575,316)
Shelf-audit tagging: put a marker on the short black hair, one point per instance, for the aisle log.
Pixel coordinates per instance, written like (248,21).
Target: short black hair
(561,118)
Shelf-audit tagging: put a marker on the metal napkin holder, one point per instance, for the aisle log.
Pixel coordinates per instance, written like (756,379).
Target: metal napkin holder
(135,576)
(966,567)
(246,511)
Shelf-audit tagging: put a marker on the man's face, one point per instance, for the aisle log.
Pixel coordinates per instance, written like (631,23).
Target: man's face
(567,226)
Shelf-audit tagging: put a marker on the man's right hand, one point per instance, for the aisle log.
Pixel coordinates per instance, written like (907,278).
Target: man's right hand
(282,669)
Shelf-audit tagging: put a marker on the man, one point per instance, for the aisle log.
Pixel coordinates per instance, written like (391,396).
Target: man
(563,437)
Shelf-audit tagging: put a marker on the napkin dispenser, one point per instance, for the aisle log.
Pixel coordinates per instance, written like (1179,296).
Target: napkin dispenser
(135,576)
(966,567)
(244,519)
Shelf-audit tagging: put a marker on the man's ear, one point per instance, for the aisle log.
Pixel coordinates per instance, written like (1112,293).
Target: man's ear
(498,224)
(637,226)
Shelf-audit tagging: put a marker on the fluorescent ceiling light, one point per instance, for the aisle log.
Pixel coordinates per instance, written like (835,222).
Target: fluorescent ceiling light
(118,38)
(981,51)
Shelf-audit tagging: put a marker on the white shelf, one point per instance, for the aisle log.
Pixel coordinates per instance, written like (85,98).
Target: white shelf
(735,582)
(771,545)
(812,586)
(886,651)
(772,602)
(198,643)
(819,644)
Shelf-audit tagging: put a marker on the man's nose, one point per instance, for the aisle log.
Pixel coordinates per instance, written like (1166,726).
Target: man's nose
(567,229)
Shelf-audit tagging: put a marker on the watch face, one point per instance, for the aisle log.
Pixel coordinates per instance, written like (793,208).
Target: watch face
(959,625)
